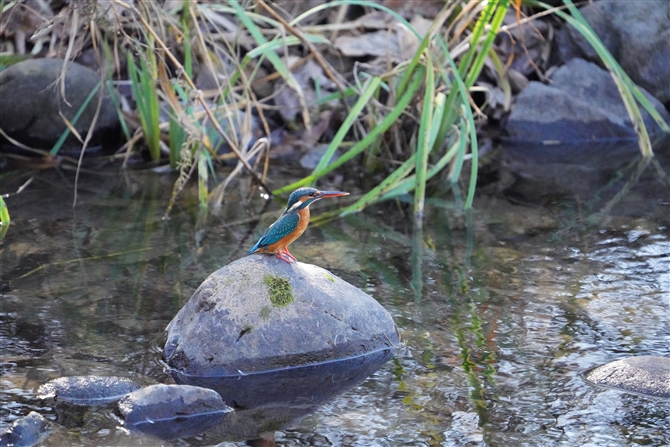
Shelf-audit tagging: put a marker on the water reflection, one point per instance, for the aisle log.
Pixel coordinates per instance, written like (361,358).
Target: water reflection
(493,347)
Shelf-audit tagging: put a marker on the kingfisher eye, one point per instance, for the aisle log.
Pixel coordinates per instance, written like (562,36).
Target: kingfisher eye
(312,194)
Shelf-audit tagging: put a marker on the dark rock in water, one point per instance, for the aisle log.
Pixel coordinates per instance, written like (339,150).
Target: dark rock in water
(647,374)
(172,411)
(270,400)
(260,313)
(311,384)
(581,105)
(26,431)
(32,102)
(594,173)
(637,34)
(87,390)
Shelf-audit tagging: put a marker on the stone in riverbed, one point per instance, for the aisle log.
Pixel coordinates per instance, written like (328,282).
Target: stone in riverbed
(581,105)
(260,313)
(87,390)
(172,411)
(26,431)
(646,374)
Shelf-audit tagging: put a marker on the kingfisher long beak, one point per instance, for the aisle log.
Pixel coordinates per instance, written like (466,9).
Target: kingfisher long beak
(326,194)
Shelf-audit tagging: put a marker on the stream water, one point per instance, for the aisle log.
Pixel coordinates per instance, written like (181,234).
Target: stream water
(500,311)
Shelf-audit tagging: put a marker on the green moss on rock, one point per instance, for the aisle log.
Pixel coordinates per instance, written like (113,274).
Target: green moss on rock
(265,312)
(279,289)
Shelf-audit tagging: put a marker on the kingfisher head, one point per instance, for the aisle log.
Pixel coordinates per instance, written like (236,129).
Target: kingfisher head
(301,198)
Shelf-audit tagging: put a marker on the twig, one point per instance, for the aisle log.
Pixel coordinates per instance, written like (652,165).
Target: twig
(90,258)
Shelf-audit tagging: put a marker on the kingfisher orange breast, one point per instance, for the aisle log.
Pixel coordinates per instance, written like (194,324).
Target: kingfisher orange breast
(292,236)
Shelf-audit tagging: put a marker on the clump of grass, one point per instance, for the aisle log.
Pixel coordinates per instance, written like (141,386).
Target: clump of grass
(413,120)
(146,99)
(433,83)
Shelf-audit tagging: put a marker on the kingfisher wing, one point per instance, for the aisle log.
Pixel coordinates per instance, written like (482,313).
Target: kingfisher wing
(282,227)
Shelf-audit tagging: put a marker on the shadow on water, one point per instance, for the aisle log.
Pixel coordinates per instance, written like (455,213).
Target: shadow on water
(500,310)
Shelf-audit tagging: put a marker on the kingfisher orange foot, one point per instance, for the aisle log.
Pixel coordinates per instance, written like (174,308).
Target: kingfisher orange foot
(291,224)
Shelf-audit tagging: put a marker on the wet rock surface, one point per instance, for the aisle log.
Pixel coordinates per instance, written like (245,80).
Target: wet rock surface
(26,431)
(260,313)
(32,103)
(271,400)
(647,374)
(87,390)
(170,411)
(581,105)
(637,34)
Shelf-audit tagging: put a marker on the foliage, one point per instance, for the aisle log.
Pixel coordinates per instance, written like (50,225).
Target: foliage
(411,119)
(4,218)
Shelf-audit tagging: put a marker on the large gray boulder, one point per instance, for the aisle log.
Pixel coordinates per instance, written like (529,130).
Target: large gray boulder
(32,103)
(260,313)
(637,34)
(645,374)
(581,104)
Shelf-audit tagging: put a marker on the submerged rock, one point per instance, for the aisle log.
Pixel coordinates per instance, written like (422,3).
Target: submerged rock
(646,374)
(172,411)
(32,103)
(260,313)
(87,390)
(26,431)
(581,105)
(270,400)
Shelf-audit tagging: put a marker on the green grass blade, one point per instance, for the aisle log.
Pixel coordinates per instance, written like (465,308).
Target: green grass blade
(4,218)
(407,185)
(477,32)
(388,183)
(61,140)
(203,177)
(288,41)
(366,141)
(371,89)
(272,56)
(452,115)
(493,28)
(146,98)
(423,148)
(4,213)
(474,164)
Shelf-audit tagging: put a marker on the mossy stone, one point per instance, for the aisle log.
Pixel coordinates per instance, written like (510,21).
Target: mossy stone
(301,315)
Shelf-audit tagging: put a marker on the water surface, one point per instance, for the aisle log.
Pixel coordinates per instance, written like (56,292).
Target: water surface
(500,312)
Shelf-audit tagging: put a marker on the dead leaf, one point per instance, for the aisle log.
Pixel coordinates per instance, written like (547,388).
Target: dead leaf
(398,44)
(309,75)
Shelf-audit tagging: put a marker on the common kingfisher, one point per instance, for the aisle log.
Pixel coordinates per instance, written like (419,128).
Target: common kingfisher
(291,224)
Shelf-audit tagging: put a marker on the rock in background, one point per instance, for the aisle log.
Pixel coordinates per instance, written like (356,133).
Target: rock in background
(32,103)
(637,34)
(580,104)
